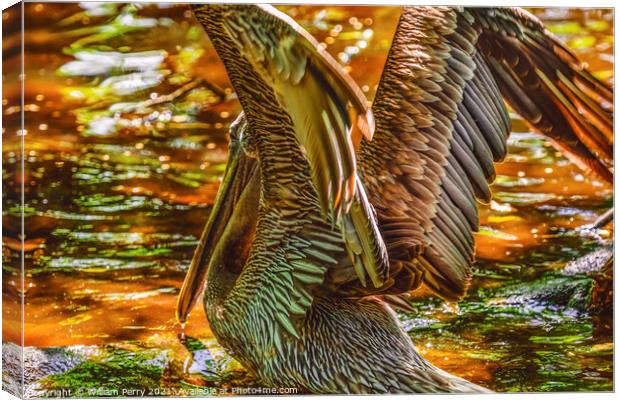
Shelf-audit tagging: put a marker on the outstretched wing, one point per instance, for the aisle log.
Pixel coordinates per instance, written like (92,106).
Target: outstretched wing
(441,123)
(545,83)
(306,117)
(330,115)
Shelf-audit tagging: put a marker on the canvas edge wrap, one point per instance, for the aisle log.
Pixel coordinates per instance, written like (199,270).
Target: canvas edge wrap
(13,223)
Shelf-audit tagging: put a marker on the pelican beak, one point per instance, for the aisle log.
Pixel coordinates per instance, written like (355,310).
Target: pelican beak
(232,220)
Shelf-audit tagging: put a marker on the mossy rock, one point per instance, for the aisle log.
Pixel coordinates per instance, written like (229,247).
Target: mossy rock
(106,375)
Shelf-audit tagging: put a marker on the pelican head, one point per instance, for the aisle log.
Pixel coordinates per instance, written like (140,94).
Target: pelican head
(225,242)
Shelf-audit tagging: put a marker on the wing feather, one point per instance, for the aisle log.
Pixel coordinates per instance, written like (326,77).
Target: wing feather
(441,123)
(306,116)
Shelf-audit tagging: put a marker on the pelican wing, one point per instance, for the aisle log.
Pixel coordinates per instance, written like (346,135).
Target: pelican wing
(544,82)
(441,123)
(306,117)
(330,115)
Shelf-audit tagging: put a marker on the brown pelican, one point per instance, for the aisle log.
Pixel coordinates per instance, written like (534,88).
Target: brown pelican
(297,267)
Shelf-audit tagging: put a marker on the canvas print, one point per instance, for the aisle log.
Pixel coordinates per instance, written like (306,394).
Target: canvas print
(242,199)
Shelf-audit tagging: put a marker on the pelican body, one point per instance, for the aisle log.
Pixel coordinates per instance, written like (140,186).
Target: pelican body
(317,230)
(342,345)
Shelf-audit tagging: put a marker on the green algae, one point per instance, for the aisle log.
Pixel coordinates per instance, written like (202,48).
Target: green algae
(539,332)
(117,368)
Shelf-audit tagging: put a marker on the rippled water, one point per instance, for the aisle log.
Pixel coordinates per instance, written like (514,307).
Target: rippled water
(127,108)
